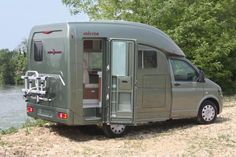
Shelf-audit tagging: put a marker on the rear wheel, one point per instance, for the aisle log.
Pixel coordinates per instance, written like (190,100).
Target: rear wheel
(207,112)
(114,130)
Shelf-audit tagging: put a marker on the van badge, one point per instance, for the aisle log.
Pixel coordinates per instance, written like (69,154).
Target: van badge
(53,51)
(88,33)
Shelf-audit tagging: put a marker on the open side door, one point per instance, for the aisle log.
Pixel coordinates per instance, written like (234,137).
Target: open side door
(120,80)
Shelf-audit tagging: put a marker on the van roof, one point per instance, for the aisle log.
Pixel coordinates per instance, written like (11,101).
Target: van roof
(163,41)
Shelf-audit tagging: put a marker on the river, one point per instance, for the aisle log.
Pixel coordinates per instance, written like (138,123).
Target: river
(12,107)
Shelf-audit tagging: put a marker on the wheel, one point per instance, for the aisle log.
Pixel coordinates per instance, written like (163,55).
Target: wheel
(207,112)
(114,130)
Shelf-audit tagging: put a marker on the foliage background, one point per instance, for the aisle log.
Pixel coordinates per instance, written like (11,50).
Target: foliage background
(12,66)
(204,29)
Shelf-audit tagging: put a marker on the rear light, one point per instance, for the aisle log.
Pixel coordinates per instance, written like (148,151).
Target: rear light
(30,109)
(62,115)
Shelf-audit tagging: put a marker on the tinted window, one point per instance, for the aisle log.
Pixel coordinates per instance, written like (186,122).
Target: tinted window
(147,59)
(38,51)
(92,45)
(140,59)
(183,71)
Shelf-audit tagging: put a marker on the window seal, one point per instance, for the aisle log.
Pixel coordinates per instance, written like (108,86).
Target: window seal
(187,62)
(38,56)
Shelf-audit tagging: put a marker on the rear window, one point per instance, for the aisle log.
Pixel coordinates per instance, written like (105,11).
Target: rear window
(38,51)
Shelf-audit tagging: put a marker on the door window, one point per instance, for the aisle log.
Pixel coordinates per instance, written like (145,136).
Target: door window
(119,58)
(183,71)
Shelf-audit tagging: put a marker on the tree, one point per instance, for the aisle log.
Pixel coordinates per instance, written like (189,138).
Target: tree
(6,67)
(13,65)
(204,29)
(20,63)
(20,60)
(22,47)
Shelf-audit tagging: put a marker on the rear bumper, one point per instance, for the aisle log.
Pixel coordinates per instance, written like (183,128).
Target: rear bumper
(50,113)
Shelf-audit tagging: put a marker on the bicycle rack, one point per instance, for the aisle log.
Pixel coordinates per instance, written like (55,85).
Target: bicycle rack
(35,85)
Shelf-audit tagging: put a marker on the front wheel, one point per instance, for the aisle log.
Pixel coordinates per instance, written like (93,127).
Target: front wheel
(207,112)
(114,130)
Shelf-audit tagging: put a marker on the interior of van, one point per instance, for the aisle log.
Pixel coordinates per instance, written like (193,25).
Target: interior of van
(92,72)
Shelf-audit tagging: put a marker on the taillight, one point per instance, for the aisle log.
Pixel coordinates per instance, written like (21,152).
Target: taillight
(62,115)
(30,109)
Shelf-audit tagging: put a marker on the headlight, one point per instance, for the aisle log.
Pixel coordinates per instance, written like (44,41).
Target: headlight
(220,92)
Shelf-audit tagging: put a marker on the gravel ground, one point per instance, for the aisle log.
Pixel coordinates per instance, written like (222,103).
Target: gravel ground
(172,138)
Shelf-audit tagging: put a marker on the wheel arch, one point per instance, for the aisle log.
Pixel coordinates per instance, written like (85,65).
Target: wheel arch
(212,99)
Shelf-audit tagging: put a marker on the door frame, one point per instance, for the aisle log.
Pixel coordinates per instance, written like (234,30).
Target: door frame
(108,82)
(194,88)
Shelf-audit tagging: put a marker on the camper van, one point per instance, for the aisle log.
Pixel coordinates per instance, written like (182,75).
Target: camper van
(113,74)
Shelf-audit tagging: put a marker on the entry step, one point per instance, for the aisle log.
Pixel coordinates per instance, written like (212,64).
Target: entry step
(91,103)
(92,118)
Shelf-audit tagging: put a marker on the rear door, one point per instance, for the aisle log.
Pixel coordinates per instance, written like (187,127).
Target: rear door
(120,69)
(48,56)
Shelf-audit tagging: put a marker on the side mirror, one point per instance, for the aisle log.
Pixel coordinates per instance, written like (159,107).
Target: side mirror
(201,76)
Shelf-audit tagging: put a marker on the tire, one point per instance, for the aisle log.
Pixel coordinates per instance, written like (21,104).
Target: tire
(207,112)
(114,130)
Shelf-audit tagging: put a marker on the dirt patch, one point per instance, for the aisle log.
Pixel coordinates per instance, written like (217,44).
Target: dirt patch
(172,138)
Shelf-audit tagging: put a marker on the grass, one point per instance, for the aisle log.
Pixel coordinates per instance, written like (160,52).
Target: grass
(208,145)
(11,130)
(230,101)
(229,98)
(28,124)
(3,143)
(34,123)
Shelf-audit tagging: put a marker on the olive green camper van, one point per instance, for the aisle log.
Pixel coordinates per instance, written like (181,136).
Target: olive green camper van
(113,74)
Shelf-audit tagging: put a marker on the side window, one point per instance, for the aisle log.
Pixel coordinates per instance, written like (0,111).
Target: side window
(140,59)
(38,51)
(147,59)
(183,71)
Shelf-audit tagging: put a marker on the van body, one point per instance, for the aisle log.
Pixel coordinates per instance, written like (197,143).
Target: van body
(113,74)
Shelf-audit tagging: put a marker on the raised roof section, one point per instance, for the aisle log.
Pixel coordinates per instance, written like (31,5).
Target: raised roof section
(166,44)
(133,29)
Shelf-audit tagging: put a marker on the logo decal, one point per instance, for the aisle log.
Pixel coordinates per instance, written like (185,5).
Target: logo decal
(91,33)
(53,51)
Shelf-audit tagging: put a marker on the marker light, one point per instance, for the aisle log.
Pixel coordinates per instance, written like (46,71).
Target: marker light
(47,32)
(62,115)
(30,109)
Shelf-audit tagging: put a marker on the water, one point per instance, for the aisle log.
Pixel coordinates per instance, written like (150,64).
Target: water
(12,107)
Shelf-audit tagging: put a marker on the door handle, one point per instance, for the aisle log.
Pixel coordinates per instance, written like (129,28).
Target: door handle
(177,84)
(124,81)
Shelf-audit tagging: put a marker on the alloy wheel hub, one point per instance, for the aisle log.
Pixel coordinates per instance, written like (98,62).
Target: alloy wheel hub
(208,113)
(117,128)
